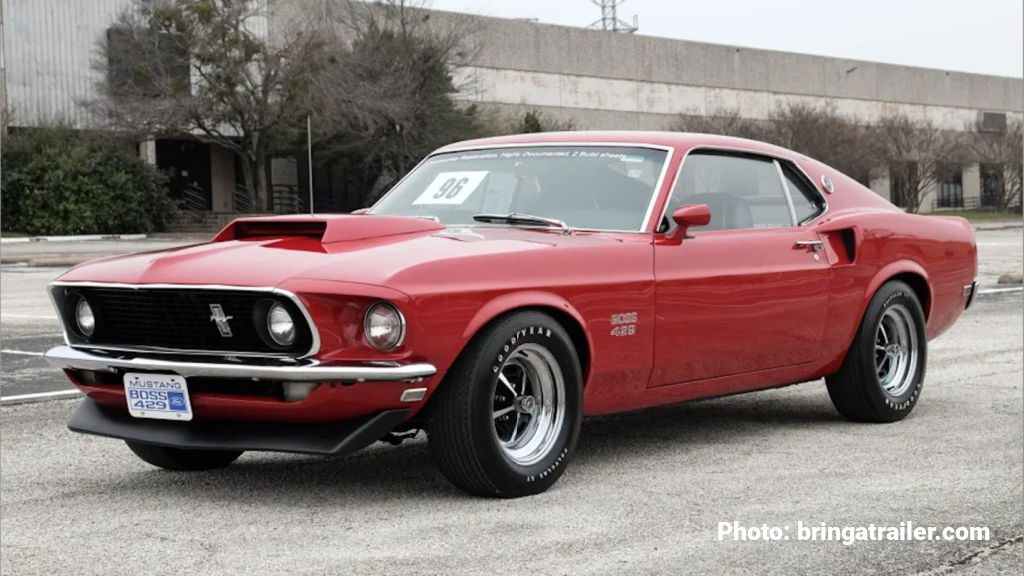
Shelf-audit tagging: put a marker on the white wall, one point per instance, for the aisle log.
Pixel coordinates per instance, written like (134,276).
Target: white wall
(49,47)
(567,91)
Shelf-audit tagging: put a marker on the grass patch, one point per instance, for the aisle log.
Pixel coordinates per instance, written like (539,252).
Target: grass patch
(9,234)
(979,216)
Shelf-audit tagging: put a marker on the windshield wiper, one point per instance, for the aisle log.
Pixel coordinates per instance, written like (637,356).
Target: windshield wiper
(515,218)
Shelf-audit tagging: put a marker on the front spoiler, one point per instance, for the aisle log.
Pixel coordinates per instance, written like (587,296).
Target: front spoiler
(66,357)
(333,439)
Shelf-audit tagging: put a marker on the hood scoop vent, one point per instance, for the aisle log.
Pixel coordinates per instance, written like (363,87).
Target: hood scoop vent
(326,229)
(270,228)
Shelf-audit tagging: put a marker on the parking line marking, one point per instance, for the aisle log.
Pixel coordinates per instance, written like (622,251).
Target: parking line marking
(21,352)
(1001,290)
(38,397)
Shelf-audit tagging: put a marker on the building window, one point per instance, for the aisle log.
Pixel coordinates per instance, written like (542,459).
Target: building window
(951,186)
(991,185)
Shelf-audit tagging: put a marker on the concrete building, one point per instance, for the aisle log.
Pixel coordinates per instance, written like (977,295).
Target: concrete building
(600,80)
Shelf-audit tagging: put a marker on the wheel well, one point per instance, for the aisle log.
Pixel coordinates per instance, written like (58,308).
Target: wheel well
(919,285)
(567,321)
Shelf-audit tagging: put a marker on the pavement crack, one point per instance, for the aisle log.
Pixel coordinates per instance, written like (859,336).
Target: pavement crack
(972,557)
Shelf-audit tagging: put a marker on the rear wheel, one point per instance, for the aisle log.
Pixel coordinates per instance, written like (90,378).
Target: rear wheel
(507,416)
(181,459)
(883,373)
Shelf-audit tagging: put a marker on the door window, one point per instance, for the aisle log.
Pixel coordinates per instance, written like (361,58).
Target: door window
(742,191)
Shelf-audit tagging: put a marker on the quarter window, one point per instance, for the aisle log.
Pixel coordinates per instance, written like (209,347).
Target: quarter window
(806,202)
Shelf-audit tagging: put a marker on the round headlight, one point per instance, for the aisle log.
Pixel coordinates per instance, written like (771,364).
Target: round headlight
(280,325)
(84,318)
(384,326)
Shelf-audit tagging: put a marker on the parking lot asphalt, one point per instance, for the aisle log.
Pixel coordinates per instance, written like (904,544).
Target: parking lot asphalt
(645,494)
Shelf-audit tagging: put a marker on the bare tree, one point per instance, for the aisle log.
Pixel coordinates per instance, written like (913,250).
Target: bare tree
(918,152)
(822,134)
(725,122)
(387,95)
(1005,150)
(204,68)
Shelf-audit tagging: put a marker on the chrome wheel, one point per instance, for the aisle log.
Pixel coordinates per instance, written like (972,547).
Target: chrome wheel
(896,350)
(529,404)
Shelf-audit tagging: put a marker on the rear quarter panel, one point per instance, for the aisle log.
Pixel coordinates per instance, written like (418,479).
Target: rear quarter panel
(939,250)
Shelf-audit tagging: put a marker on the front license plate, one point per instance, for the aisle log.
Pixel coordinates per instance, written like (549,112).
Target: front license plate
(161,396)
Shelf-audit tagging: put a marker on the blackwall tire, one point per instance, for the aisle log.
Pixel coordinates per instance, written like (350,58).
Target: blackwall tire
(883,373)
(183,460)
(505,421)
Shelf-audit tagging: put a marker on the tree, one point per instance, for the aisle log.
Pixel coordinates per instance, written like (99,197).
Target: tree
(534,121)
(201,67)
(822,134)
(1006,151)
(725,122)
(918,152)
(386,99)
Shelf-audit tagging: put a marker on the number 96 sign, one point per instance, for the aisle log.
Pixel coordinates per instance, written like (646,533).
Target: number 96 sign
(452,188)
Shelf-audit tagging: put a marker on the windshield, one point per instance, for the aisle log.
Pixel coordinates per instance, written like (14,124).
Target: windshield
(588,187)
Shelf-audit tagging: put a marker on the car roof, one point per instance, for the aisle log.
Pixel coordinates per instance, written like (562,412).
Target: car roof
(684,140)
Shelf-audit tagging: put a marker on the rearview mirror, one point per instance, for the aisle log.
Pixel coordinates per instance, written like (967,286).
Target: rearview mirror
(687,216)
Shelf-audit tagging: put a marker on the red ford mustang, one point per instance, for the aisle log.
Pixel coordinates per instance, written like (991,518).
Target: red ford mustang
(503,290)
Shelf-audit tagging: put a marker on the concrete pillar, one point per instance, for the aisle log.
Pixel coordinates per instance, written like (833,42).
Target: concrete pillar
(222,179)
(880,183)
(972,186)
(147,151)
(929,196)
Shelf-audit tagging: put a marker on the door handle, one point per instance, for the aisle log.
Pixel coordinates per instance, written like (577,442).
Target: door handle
(813,245)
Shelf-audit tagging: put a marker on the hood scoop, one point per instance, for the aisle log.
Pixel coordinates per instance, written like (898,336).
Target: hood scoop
(326,229)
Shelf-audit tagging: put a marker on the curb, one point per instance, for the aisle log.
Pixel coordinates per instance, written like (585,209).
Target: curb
(39,397)
(76,238)
(45,261)
(1001,226)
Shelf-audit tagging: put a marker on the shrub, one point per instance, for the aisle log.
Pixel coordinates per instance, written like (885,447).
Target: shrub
(61,181)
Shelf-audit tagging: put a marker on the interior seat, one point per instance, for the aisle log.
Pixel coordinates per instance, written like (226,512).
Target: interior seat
(727,211)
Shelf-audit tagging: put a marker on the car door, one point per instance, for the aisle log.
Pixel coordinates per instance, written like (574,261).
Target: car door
(748,292)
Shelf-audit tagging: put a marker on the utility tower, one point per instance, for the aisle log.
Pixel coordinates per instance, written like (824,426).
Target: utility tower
(610,17)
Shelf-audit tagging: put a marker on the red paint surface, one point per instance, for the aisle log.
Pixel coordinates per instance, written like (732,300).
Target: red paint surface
(717,313)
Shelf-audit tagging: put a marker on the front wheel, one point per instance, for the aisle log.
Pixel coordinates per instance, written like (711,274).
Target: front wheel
(507,416)
(180,459)
(883,373)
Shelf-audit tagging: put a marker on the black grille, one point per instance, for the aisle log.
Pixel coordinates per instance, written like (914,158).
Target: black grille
(180,319)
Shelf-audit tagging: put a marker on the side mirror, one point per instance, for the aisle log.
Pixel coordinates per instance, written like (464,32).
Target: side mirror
(687,216)
(360,211)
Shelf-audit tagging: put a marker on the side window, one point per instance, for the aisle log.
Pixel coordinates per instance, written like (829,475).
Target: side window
(806,202)
(742,191)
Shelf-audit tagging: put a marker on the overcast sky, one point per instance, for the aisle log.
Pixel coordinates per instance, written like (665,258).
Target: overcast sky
(984,36)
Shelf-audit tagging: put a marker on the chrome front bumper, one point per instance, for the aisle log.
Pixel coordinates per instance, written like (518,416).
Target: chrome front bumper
(66,357)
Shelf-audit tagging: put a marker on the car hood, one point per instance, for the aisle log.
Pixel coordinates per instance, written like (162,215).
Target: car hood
(384,251)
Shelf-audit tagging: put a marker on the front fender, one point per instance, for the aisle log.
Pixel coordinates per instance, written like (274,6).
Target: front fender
(527,299)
